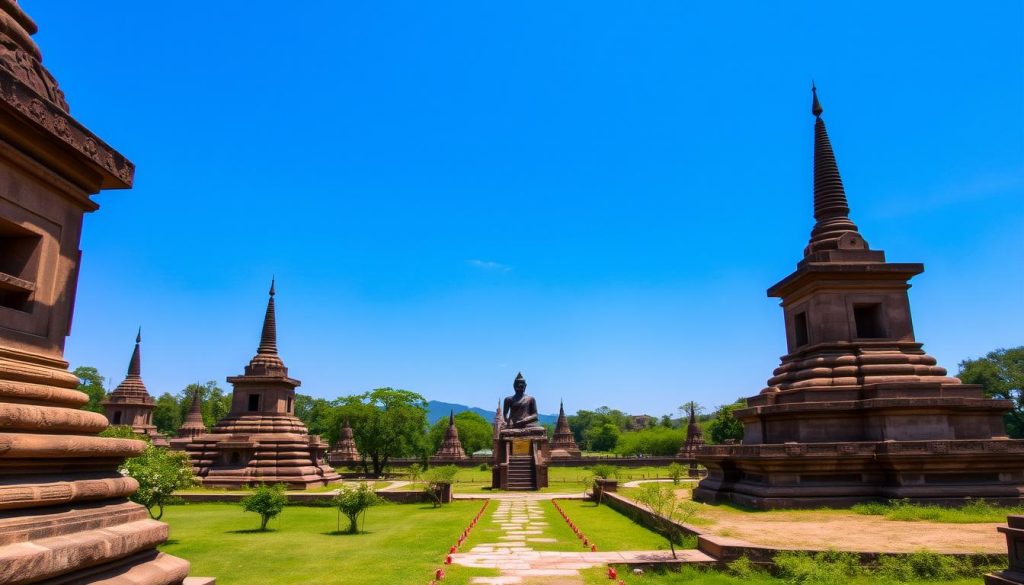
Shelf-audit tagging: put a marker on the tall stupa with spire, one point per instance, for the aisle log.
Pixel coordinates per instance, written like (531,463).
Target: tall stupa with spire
(130,403)
(563,443)
(261,440)
(451,446)
(857,410)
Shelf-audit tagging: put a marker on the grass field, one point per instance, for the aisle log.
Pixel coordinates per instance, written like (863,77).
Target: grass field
(691,576)
(402,544)
(560,479)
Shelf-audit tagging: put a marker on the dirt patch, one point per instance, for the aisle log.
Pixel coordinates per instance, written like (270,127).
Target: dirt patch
(843,530)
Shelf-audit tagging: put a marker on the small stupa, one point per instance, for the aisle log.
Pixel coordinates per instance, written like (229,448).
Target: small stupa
(130,403)
(193,425)
(451,447)
(694,437)
(344,451)
(261,440)
(563,444)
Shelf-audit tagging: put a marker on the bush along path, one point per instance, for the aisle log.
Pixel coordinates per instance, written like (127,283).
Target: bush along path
(519,525)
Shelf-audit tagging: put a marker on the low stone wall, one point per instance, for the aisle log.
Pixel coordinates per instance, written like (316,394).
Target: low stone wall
(726,549)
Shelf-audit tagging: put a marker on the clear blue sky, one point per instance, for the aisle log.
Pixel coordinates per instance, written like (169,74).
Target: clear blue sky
(595,193)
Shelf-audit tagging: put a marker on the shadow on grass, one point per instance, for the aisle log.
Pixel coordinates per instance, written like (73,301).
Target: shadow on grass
(250,531)
(346,533)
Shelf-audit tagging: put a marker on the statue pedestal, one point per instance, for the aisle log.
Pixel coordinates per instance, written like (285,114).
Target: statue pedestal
(521,461)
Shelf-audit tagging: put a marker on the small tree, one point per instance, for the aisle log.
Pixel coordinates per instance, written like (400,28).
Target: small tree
(159,472)
(267,501)
(676,471)
(669,512)
(353,502)
(439,480)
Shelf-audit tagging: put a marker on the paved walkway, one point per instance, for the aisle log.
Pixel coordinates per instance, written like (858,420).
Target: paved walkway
(522,523)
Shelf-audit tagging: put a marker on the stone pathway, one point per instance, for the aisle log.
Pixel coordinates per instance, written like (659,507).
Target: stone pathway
(523,523)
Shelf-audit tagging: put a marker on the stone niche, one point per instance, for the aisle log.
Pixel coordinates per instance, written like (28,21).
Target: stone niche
(65,516)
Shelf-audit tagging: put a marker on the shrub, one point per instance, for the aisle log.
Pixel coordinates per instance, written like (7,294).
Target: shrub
(824,568)
(353,502)
(604,471)
(484,467)
(870,509)
(159,472)
(676,472)
(744,568)
(438,480)
(267,501)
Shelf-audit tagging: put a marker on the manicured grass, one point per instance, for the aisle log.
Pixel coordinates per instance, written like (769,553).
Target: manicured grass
(694,576)
(560,479)
(608,529)
(401,544)
(974,511)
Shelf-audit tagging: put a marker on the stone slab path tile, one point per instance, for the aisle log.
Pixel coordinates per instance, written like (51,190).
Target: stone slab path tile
(522,521)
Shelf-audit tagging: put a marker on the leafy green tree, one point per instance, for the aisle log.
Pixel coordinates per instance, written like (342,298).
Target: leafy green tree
(159,472)
(676,472)
(475,432)
(586,424)
(386,423)
(353,503)
(723,426)
(215,402)
(167,415)
(122,432)
(91,382)
(316,413)
(602,438)
(266,500)
(1001,374)
(667,422)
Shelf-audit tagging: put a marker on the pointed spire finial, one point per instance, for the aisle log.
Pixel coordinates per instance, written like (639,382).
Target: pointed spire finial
(451,418)
(693,414)
(273,279)
(135,365)
(268,337)
(816,108)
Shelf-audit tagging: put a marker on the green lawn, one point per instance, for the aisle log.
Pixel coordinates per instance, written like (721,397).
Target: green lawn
(560,479)
(402,544)
(692,576)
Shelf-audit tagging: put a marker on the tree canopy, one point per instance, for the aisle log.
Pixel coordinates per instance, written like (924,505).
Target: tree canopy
(386,423)
(91,382)
(475,433)
(1001,374)
(723,426)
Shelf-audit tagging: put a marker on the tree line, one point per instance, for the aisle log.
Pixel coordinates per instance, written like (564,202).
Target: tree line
(390,423)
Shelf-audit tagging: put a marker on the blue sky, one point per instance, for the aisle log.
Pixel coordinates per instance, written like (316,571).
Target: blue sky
(595,193)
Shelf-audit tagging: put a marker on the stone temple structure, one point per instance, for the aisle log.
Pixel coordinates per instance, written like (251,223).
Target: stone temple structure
(563,443)
(857,410)
(451,446)
(261,440)
(193,426)
(130,403)
(64,510)
(344,452)
(694,437)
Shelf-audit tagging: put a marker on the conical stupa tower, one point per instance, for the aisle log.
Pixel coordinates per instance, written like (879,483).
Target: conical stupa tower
(451,447)
(857,410)
(130,403)
(65,516)
(694,437)
(193,426)
(261,440)
(563,444)
(344,451)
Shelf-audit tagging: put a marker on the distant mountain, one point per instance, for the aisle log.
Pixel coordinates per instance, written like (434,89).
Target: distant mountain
(436,410)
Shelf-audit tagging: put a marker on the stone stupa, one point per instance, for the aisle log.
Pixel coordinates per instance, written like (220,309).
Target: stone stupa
(451,446)
(194,426)
(344,451)
(563,443)
(857,411)
(130,403)
(65,516)
(261,440)
(694,437)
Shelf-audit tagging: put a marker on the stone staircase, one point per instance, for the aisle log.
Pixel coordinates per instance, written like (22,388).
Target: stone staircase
(521,476)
